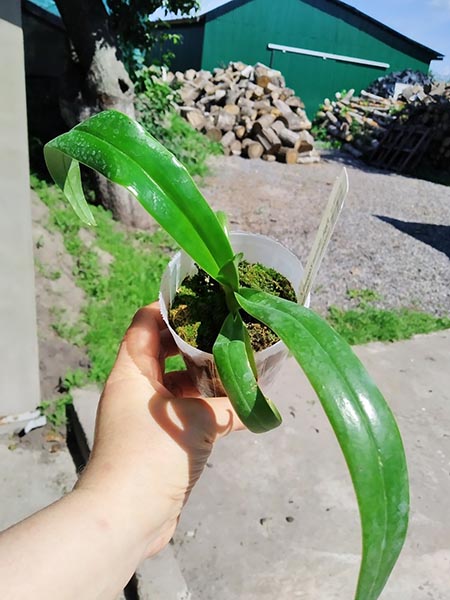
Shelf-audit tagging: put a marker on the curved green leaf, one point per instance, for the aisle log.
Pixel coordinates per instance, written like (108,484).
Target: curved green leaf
(223,219)
(363,423)
(228,274)
(236,372)
(121,150)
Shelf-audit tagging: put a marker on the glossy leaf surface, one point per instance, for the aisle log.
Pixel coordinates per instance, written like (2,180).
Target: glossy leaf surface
(121,150)
(363,423)
(236,371)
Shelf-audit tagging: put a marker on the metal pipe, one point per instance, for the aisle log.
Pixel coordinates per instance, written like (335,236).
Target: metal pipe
(325,55)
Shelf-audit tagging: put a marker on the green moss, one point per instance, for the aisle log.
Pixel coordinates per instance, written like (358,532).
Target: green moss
(199,307)
(198,311)
(263,278)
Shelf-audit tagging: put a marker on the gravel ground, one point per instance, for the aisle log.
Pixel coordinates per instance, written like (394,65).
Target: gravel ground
(393,235)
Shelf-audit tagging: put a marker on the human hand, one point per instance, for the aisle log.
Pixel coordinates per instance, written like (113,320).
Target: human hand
(154,433)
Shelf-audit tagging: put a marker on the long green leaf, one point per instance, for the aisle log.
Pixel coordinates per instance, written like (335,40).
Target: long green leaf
(363,423)
(237,375)
(121,150)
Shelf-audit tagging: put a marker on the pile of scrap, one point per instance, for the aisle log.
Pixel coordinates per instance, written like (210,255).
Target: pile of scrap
(386,86)
(249,110)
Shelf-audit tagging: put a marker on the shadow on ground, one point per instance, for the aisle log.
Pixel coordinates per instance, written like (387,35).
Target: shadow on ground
(436,236)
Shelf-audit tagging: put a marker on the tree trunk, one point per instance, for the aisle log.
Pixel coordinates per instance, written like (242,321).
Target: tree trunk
(96,80)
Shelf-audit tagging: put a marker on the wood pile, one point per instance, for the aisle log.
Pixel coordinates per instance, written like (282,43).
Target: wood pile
(434,114)
(358,123)
(249,110)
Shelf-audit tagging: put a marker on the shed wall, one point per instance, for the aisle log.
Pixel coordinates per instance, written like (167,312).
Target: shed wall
(244,32)
(188,54)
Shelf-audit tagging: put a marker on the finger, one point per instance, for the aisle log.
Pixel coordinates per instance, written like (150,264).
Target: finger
(149,312)
(141,345)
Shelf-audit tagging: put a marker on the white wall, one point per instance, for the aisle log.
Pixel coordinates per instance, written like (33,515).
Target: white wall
(19,367)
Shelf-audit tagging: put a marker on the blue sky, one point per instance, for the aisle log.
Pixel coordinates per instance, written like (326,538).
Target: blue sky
(426,21)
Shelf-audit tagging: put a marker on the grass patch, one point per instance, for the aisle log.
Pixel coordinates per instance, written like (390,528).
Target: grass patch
(368,323)
(130,281)
(55,409)
(44,271)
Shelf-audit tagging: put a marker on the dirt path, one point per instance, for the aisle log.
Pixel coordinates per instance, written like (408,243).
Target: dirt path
(58,300)
(393,236)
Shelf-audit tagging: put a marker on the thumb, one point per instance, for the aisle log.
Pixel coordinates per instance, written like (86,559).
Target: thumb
(180,385)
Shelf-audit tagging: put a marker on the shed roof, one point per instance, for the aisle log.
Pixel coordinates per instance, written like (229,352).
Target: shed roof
(214,8)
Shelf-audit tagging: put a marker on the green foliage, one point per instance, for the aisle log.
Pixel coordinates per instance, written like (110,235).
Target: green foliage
(367,323)
(397,110)
(130,20)
(55,409)
(363,296)
(44,271)
(155,103)
(72,379)
(118,148)
(356,129)
(72,333)
(161,97)
(132,282)
(231,355)
(321,135)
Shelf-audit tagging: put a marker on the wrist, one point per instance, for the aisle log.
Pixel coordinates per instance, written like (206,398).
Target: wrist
(128,506)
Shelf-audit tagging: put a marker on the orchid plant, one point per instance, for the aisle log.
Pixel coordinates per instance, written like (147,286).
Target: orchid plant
(120,149)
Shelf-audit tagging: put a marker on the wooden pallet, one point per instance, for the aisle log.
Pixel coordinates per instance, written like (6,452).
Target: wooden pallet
(401,148)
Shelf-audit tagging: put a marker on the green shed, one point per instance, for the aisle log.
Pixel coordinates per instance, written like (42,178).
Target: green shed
(320,46)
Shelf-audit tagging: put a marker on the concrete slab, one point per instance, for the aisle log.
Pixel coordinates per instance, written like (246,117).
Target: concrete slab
(160,577)
(30,478)
(274,516)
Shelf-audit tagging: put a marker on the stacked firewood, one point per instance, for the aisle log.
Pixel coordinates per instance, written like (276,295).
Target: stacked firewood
(358,122)
(434,114)
(249,110)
